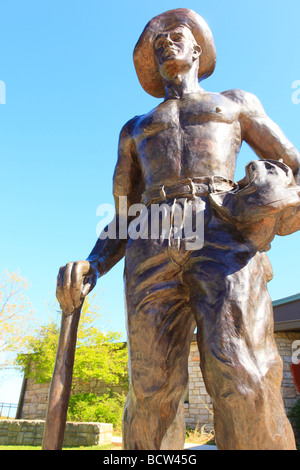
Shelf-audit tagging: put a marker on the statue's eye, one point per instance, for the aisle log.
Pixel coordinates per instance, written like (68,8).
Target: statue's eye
(158,43)
(176,37)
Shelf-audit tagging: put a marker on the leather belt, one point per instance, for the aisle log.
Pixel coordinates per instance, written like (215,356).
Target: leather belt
(188,187)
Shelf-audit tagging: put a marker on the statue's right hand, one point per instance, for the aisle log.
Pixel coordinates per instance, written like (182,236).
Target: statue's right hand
(74,282)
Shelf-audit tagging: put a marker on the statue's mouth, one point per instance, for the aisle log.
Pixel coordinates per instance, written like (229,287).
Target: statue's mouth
(169,50)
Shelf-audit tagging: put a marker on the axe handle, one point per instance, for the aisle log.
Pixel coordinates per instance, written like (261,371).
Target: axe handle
(60,388)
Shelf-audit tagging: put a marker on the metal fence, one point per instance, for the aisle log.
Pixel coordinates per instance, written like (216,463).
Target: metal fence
(8,410)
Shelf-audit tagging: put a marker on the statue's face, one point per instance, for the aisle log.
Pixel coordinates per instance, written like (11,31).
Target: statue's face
(175,51)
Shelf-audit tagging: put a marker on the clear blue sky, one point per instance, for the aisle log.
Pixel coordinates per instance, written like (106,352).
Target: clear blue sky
(70,87)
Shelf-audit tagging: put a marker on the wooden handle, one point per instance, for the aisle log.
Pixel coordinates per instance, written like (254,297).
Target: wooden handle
(60,388)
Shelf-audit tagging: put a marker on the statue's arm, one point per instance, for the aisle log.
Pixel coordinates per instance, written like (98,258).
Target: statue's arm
(127,183)
(76,280)
(262,134)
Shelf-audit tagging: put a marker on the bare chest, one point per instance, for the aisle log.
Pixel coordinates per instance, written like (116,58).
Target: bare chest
(195,114)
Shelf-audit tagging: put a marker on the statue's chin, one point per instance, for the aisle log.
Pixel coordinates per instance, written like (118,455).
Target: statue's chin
(173,67)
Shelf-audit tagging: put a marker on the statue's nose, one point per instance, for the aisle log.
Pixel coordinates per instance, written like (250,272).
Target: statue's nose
(167,40)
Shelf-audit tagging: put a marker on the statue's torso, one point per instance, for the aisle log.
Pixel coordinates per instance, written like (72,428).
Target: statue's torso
(197,135)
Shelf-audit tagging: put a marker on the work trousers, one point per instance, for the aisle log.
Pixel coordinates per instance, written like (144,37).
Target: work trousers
(221,289)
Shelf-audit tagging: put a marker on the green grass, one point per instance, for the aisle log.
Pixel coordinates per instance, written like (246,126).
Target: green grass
(106,447)
(199,436)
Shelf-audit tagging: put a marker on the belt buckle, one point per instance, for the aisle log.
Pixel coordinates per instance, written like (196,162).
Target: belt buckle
(192,187)
(162,192)
(211,184)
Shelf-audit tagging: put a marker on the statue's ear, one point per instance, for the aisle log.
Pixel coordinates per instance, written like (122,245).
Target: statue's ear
(197,51)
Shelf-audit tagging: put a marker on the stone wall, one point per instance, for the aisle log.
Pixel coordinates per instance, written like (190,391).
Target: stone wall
(289,390)
(36,396)
(24,432)
(35,401)
(198,406)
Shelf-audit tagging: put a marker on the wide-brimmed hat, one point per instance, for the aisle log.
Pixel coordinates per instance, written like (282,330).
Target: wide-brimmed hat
(143,55)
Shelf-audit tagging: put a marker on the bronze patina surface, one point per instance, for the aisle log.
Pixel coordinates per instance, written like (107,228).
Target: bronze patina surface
(187,147)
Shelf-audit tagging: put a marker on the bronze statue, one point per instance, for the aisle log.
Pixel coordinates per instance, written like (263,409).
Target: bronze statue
(186,148)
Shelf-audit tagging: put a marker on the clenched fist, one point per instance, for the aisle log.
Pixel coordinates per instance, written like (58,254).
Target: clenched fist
(74,282)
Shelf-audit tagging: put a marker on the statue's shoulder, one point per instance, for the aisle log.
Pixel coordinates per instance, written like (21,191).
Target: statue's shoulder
(248,102)
(130,126)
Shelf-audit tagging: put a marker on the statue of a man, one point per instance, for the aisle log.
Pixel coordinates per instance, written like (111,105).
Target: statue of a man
(187,148)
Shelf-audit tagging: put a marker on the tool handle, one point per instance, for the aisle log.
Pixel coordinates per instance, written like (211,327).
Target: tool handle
(60,388)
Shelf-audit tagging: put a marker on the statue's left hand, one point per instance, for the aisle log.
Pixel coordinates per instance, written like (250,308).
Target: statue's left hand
(74,282)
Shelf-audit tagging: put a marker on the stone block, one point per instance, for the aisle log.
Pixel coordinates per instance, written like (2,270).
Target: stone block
(289,392)
(30,432)
(13,426)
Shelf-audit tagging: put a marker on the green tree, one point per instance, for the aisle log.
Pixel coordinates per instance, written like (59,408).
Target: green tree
(107,408)
(16,317)
(294,415)
(99,356)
